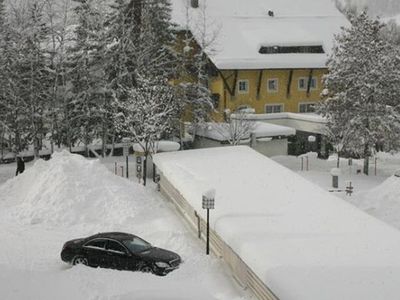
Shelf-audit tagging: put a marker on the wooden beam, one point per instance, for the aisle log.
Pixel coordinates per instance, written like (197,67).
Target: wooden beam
(226,84)
(235,83)
(309,82)
(260,75)
(289,84)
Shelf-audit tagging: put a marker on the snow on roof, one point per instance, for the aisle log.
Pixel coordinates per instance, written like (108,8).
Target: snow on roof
(303,242)
(310,117)
(221,131)
(241,28)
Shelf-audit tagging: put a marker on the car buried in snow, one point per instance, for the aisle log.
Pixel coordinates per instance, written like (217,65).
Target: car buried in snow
(121,251)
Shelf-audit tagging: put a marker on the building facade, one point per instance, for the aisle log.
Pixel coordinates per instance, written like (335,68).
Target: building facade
(267,55)
(267,91)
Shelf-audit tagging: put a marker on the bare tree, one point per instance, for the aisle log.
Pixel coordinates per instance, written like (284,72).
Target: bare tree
(237,129)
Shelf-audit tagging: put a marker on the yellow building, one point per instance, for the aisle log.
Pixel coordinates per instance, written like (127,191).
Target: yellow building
(268,55)
(267,91)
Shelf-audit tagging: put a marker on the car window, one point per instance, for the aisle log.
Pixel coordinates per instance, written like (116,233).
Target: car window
(137,245)
(115,246)
(99,244)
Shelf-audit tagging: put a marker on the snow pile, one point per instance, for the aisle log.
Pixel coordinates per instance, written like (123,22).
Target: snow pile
(383,201)
(68,189)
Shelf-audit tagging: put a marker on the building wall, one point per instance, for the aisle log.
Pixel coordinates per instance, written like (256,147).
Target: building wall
(257,101)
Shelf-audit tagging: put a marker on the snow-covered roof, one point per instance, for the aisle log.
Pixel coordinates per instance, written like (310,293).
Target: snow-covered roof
(308,122)
(310,117)
(303,242)
(221,131)
(240,28)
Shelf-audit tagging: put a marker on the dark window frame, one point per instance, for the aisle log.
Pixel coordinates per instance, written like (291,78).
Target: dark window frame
(310,49)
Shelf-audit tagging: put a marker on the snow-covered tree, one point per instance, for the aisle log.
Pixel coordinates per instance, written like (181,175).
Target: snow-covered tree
(198,43)
(33,76)
(150,113)
(363,89)
(238,128)
(87,74)
(59,17)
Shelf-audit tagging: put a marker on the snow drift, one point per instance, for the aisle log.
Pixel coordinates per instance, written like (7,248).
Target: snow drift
(69,189)
(383,201)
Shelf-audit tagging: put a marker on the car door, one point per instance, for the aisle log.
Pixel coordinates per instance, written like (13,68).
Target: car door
(118,256)
(95,251)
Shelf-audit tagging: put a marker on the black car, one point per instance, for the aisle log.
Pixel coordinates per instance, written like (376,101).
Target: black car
(122,251)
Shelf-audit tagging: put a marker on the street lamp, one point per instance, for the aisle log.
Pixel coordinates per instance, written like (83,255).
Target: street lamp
(208,203)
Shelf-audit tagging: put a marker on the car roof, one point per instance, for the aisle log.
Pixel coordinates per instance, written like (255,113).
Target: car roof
(119,236)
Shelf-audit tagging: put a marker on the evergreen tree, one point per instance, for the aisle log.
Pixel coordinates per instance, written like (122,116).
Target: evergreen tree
(363,89)
(84,111)
(195,64)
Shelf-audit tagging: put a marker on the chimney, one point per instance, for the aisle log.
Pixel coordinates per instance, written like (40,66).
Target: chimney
(194,3)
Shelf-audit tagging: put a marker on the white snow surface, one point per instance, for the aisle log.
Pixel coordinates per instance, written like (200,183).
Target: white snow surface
(70,197)
(55,191)
(159,146)
(237,29)
(303,242)
(382,201)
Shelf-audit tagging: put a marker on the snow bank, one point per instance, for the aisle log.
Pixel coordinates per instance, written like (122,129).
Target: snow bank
(383,201)
(69,189)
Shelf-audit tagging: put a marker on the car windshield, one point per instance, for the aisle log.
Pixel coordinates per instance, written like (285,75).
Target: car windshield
(136,245)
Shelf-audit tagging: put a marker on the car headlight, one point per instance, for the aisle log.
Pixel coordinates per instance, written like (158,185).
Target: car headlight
(162,265)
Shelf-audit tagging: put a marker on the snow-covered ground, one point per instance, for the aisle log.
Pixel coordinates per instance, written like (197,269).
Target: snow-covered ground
(378,195)
(70,197)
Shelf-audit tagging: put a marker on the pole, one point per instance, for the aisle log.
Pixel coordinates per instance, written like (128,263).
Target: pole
(115,168)
(122,171)
(208,232)
(376,161)
(302,163)
(127,169)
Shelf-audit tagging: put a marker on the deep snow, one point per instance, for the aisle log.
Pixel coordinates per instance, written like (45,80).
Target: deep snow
(303,242)
(69,197)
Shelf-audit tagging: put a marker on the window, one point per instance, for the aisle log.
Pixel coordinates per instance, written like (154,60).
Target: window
(137,245)
(291,49)
(96,244)
(272,85)
(306,107)
(303,83)
(273,108)
(115,246)
(243,86)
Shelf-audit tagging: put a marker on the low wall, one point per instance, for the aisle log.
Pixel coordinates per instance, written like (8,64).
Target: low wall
(241,272)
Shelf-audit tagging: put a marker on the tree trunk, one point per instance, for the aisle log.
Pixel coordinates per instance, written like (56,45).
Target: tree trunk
(366,160)
(338,160)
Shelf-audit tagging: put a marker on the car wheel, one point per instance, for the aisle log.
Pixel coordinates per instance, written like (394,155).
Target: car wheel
(146,269)
(80,260)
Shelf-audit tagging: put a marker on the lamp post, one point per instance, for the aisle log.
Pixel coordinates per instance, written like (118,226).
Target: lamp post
(208,203)
(126,143)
